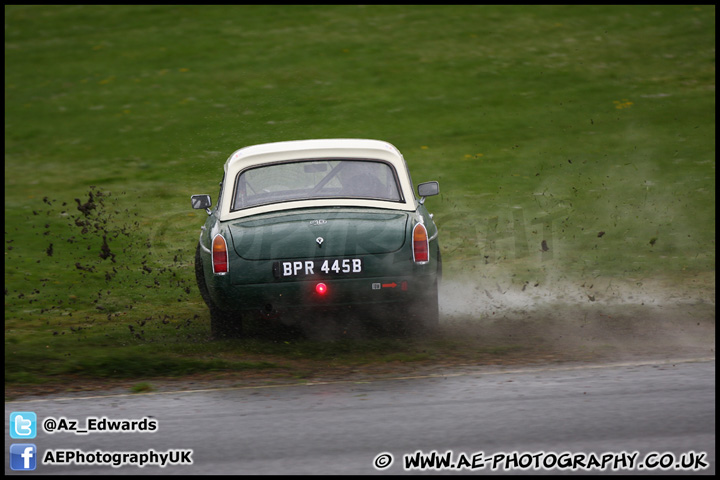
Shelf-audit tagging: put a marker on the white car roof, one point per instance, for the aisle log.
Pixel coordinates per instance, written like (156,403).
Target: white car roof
(315,149)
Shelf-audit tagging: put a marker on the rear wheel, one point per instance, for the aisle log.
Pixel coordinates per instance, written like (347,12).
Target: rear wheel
(425,312)
(223,324)
(431,318)
(417,317)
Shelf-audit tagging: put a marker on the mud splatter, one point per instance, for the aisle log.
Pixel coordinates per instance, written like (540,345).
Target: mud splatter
(105,250)
(86,207)
(102,241)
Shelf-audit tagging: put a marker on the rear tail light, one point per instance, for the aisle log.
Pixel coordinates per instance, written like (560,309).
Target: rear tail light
(321,289)
(219,255)
(421,246)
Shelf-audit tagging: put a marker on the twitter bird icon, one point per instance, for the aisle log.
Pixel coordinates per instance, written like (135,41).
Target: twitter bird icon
(23,425)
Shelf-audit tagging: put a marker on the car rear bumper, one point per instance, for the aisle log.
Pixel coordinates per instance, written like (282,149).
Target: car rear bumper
(337,292)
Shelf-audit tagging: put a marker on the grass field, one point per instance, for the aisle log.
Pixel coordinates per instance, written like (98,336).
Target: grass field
(571,143)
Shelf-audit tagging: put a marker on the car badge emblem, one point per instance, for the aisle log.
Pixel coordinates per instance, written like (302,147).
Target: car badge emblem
(315,223)
(319,241)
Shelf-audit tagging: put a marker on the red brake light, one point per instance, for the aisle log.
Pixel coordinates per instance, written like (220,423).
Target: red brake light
(321,288)
(421,246)
(219,255)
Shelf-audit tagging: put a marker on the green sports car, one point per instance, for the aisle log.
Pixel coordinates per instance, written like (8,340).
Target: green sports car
(309,225)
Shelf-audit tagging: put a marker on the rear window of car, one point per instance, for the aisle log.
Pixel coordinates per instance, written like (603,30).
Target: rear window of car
(316,179)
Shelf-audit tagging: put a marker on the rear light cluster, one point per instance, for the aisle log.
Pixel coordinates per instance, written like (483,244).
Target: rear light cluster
(421,245)
(421,253)
(219,255)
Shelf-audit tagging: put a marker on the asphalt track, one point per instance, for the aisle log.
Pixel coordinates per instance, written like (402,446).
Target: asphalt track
(635,416)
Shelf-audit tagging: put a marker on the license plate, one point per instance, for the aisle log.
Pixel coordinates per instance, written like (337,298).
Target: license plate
(318,267)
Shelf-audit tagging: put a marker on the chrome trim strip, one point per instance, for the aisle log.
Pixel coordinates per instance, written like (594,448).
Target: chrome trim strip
(207,250)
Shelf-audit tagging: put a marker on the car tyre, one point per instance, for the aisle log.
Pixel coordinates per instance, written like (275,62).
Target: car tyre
(223,324)
(426,312)
(418,317)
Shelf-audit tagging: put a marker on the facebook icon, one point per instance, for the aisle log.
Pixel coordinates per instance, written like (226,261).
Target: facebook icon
(22,456)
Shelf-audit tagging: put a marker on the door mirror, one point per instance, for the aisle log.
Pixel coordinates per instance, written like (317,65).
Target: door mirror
(428,189)
(201,202)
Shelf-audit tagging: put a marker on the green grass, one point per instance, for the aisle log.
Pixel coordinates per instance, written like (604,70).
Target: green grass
(548,123)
